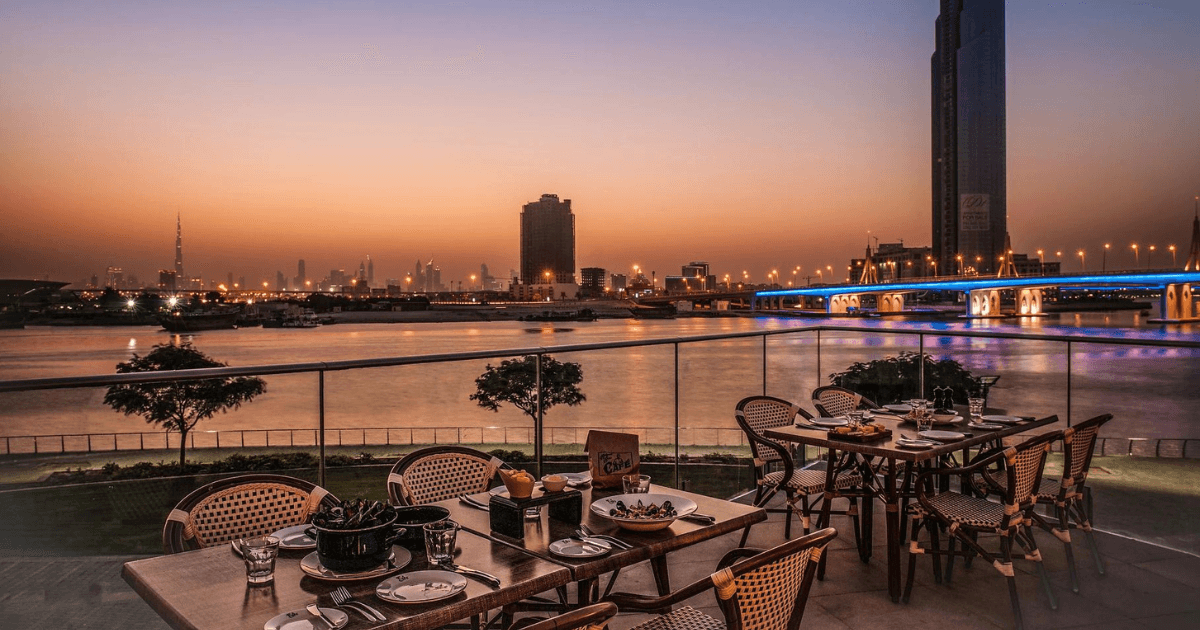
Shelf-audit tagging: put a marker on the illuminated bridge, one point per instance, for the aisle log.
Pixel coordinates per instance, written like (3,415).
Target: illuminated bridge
(983,294)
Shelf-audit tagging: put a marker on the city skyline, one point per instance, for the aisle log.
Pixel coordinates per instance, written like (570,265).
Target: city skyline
(753,138)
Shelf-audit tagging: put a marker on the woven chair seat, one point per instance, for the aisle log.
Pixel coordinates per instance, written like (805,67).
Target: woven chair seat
(686,618)
(965,510)
(1047,491)
(813,481)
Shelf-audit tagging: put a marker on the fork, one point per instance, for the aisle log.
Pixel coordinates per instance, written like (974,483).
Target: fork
(583,533)
(342,597)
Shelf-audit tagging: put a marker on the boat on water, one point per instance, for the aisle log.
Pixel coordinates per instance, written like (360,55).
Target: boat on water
(192,321)
(307,319)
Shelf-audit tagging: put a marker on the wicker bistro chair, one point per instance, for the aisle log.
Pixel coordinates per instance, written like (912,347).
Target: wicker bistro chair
(440,472)
(832,401)
(1070,496)
(241,506)
(592,617)
(965,516)
(759,413)
(756,590)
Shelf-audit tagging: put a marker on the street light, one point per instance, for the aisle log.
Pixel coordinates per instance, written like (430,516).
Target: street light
(472,287)
(1082,260)
(1135,255)
(1104,258)
(1172,248)
(960,267)
(1042,261)
(1149,255)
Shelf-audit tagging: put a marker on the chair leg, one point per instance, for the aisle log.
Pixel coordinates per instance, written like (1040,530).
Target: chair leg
(746,535)
(1037,557)
(857,525)
(1006,554)
(935,544)
(1065,534)
(1081,517)
(912,559)
(971,553)
(950,558)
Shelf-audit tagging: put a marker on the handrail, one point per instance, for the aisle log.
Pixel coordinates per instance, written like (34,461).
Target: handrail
(100,380)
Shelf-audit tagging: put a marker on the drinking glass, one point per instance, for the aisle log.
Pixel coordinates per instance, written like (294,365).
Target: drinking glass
(855,418)
(976,406)
(440,538)
(259,553)
(636,484)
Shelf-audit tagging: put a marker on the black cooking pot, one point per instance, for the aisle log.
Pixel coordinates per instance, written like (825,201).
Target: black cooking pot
(413,518)
(350,550)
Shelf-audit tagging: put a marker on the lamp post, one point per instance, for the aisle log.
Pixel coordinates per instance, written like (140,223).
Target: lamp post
(1104,258)
(1134,247)
(1042,261)
(1149,255)
(1172,248)
(958,257)
(1082,260)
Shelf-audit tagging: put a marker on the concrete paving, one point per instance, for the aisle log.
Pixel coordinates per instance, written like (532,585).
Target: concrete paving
(1145,587)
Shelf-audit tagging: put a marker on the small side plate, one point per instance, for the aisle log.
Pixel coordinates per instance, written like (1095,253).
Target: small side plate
(301,620)
(294,537)
(943,436)
(311,566)
(915,445)
(1003,419)
(830,422)
(571,548)
(985,426)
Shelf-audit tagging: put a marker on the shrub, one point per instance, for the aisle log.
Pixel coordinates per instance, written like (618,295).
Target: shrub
(895,378)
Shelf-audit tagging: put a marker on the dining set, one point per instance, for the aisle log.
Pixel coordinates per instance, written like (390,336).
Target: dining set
(908,456)
(451,546)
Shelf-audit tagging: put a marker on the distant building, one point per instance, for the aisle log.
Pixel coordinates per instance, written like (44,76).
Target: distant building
(370,271)
(591,283)
(699,277)
(167,279)
(301,276)
(280,281)
(114,277)
(548,241)
(968,135)
(178,246)
(618,282)
(894,261)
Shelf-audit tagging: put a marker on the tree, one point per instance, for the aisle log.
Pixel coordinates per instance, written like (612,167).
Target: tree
(514,382)
(179,406)
(895,378)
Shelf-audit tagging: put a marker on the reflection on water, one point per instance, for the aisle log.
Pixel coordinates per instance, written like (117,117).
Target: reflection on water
(1149,389)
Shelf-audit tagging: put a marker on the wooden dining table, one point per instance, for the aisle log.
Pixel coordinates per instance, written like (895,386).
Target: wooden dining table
(206,589)
(895,461)
(654,546)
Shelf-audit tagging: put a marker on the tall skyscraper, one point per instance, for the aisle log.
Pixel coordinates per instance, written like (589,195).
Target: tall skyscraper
(548,241)
(178,246)
(969,200)
(370,271)
(301,276)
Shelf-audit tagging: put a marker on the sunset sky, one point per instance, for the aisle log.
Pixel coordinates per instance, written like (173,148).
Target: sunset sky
(751,135)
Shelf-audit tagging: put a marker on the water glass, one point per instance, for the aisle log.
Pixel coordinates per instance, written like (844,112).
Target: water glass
(855,418)
(636,484)
(259,553)
(976,407)
(440,538)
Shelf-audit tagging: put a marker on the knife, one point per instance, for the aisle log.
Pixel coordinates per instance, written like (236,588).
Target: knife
(486,578)
(318,613)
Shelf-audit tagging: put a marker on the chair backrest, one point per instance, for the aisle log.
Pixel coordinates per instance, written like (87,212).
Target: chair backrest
(1079,442)
(587,618)
(440,472)
(239,507)
(768,591)
(759,413)
(832,401)
(1024,464)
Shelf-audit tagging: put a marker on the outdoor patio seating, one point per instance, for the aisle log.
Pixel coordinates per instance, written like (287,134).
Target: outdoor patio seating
(801,486)
(964,517)
(239,507)
(831,401)
(1070,496)
(440,472)
(587,618)
(754,588)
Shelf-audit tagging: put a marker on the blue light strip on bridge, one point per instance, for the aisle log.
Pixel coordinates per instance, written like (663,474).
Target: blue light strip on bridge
(1112,280)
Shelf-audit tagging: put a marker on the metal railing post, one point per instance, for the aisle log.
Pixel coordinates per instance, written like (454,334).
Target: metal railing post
(921,365)
(320,427)
(764,362)
(677,478)
(538,427)
(818,357)
(1068,383)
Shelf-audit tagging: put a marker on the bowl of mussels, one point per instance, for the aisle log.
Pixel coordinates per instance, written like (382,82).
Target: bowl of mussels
(355,535)
(643,512)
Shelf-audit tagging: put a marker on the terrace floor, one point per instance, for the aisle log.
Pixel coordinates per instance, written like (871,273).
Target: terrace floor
(1146,587)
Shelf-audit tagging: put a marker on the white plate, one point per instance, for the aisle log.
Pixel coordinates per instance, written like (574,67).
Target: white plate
(399,559)
(578,478)
(898,408)
(985,426)
(683,506)
(830,422)
(916,445)
(1003,419)
(302,620)
(571,548)
(419,587)
(294,537)
(943,436)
